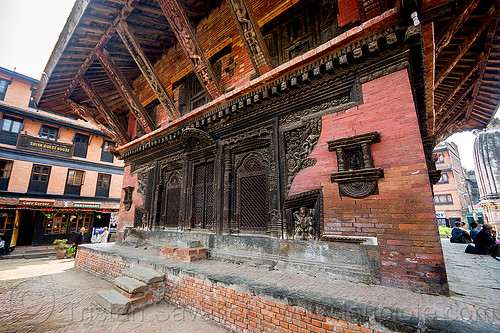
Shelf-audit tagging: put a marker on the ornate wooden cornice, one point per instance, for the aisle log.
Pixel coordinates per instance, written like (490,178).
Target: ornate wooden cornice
(251,35)
(121,84)
(146,68)
(187,39)
(88,113)
(103,109)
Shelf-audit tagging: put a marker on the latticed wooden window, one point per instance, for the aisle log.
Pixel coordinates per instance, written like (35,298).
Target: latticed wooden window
(203,196)
(253,203)
(173,200)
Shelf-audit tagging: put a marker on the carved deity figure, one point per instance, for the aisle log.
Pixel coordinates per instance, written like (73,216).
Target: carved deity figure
(304,223)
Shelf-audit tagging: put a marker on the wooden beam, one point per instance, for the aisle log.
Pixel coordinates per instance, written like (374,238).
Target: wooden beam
(126,10)
(457,102)
(146,68)
(482,68)
(492,13)
(184,32)
(89,115)
(251,35)
(103,109)
(458,85)
(121,84)
(454,24)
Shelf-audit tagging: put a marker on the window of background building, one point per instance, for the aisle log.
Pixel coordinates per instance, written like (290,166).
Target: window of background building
(74,182)
(81,142)
(31,103)
(39,179)
(5,170)
(440,159)
(443,199)
(57,224)
(102,189)
(49,132)
(11,127)
(3,88)
(78,220)
(444,178)
(106,156)
(6,223)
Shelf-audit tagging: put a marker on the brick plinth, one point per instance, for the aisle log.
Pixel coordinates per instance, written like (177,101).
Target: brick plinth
(188,255)
(235,310)
(401,215)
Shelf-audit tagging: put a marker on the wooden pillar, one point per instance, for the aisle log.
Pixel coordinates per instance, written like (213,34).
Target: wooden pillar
(146,68)
(121,84)
(103,109)
(251,35)
(187,40)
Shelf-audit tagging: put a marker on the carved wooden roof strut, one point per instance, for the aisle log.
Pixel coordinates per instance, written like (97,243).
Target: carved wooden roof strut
(103,109)
(86,113)
(455,24)
(482,67)
(146,68)
(184,33)
(251,35)
(127,9)
(121,84)
(466,45)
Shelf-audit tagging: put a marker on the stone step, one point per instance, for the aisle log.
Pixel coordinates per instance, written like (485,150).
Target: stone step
(113,302)
(146,275)
(131,285)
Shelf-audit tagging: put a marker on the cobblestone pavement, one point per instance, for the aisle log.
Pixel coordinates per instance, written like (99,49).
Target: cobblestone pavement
(50,295)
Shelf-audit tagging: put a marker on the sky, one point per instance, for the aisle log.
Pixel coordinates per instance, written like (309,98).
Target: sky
(30,29)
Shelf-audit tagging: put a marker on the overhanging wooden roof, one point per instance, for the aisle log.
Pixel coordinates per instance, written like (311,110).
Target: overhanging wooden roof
(90,26)
(465,90)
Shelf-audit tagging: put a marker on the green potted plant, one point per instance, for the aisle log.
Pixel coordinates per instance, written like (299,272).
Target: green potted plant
(71,252)
(60,246)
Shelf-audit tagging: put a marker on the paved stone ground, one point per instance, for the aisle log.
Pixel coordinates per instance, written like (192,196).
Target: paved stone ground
(50,295)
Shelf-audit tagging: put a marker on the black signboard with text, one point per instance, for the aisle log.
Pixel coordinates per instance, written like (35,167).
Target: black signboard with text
(27,142)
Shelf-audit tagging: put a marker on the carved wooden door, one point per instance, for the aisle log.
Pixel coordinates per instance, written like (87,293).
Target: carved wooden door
(172,201)
(203,196)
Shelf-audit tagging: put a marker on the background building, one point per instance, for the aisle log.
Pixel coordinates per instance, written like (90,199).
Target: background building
(487,160)
(56,174)
(451,193)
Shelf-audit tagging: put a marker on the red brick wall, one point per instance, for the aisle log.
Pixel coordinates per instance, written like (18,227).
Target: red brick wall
(348,12)
(98,265)
(402,215)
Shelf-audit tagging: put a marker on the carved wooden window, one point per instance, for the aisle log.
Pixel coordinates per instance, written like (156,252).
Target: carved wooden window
(172,201)
(301,28)
(253,195)
(357,177)
(151,109)
(192,95)
(203,196)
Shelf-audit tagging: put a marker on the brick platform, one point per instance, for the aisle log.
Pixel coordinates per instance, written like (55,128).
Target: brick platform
(246,299)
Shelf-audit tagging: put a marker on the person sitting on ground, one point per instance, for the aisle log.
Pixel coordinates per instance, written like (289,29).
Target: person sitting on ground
(485,239)
(473,230)
(459,234)
(2,246)
(104,235)
(96,238)
(495,251)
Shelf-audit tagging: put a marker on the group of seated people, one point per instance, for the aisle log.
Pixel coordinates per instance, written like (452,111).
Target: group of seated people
(483,240)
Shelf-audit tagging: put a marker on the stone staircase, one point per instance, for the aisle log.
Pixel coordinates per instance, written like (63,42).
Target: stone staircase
(31,252)
(137,289)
